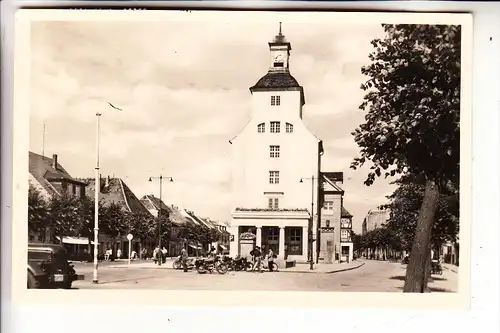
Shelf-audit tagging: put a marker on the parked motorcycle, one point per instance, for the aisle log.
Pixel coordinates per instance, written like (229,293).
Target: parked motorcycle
(177,264)
(241,264)
(204,265)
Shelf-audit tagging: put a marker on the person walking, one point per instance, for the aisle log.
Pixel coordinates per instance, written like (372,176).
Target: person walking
(184,258)
(270,260)
(164,254)
(156,254)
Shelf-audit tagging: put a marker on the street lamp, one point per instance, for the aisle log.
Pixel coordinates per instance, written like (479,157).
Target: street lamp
(310,227)
(161,178)
(96,199)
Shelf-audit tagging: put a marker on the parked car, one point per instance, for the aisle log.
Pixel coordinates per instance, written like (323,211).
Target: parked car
(48,267)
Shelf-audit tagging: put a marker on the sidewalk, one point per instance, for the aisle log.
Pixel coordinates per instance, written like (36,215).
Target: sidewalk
(450,267)
(145,264)
(323,268)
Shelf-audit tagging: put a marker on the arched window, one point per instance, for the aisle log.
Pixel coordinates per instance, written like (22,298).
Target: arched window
(261,128)
(289,128)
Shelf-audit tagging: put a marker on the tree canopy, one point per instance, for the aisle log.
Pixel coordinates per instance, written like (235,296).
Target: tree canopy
(412,103)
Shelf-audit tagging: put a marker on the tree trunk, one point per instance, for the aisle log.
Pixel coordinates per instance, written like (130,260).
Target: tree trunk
(427,271)
(415,281)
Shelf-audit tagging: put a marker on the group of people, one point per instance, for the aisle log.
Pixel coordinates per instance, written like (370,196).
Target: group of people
(258,255)
(160,254)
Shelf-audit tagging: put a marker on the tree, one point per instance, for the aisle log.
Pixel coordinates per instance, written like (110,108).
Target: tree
(412,121)
(404,206)
(37,211)
(85,224)
(62,217)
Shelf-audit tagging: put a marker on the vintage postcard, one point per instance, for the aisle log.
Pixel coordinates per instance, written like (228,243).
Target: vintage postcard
(173,154)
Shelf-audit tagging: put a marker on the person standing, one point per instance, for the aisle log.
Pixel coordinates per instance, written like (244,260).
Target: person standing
(258,259)
(270,260)
(118,254)
(164,254)
(156,254)
(184,258)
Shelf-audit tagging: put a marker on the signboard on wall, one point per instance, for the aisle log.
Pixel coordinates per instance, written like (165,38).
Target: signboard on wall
(247,236)
(231,238)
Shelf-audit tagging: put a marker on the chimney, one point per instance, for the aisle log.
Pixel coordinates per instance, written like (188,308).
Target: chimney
(54,161)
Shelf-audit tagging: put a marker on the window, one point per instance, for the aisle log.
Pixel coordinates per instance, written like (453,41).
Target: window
(275,126)
(274,203)
(289,128)
(274,177)
(328,205)
(344,235)
(295,234)
(261,128)
(327,223)
(274,151)
(273,234)
(275,100)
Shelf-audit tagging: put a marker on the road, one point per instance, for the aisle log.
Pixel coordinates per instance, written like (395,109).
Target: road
(374,276)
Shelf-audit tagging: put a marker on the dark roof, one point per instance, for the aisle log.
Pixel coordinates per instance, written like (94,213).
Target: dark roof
(334,176)
(278,80)
(345,213)
(42,169)
(115,190)
(152,202)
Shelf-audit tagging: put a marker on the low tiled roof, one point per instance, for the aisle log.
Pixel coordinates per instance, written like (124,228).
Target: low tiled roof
(152,202)
(115,190)
(345,213)
(42,169)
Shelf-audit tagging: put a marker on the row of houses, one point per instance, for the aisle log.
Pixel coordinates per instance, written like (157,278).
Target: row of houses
(376,218)
(50,178)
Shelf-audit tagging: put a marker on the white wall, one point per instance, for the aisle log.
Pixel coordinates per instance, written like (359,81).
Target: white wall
(252,163)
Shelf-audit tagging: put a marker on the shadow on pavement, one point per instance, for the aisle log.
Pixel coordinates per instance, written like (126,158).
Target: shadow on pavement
(435,290)
(403,278)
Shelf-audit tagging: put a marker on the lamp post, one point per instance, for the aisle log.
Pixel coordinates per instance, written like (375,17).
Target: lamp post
(96,199)
(161,178)
(310,227)
(96,202)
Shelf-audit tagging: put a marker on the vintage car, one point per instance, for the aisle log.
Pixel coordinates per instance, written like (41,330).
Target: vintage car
(48,267)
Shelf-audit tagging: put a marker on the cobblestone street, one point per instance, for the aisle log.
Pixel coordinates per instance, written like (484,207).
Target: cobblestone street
(374,276)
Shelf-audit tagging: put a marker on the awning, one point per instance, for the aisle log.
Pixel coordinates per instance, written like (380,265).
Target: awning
(75,240)
(194,247)
(223,247)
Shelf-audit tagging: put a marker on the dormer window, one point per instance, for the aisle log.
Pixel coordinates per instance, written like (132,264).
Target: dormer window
(275,100)
(261,128)
(275,126)
(289,128)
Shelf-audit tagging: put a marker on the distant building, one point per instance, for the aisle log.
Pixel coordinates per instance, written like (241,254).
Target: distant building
(336,222)
(375,219)
(153,205)
(115,190)
(49,177)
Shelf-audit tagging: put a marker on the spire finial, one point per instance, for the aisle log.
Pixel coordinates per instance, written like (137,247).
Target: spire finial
(280,29)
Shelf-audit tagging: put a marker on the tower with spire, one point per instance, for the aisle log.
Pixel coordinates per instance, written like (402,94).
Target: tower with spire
(270,156)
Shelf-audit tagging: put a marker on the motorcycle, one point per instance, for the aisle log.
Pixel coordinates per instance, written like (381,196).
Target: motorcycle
(241,264)
(204,265)
(264,266)
(177,264)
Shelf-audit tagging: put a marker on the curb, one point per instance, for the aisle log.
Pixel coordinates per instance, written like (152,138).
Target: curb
(328,272)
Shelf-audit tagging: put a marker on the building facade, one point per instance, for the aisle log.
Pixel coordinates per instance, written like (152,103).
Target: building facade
(335,241)
(276,164)
(375,219)
(50,179)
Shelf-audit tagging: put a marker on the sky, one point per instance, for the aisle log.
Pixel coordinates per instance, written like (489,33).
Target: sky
(183,87)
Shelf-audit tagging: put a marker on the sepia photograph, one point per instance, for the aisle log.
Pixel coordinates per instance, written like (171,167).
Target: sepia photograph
(247,152)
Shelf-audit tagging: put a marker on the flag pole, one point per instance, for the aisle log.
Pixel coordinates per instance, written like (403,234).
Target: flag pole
(96,201)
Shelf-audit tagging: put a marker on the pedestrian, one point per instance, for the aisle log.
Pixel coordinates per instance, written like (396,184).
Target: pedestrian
(118,254)
(258,259)
(164,254)
(270,259)
(156,254)
(133,255)
(184,258)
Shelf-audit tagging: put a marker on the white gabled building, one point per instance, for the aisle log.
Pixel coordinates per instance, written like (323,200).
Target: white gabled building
(271,206)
